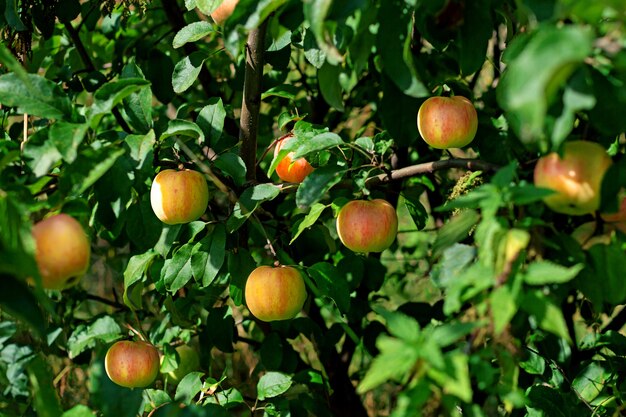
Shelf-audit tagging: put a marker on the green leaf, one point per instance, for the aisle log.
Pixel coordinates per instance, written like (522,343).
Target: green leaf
(34,95)
(187,70)
(415,208)
(393,41)
(395,362)
(608,262)
(308,220)
(331,283)
(546,272)
(548,315)
(104,329)
(138,105)
(249,201)
(66,137)
(211,120)
(232,165)
(455,259)
(113,93)
(474,36)
(134,275)
(79,411)
(318,143)
(177,271)
(192,32)
(317,183)
(526,194)
(240,265)
(206,6)
(400,325)
(455,378)
(548,401)
(533,78)
(448,333)
(17,299)
(272,384)
(189,387)
(455,230)
(179,127)
(287,91)
(90,167)
(208,256)
(503,306)
(328,78)
(47,402)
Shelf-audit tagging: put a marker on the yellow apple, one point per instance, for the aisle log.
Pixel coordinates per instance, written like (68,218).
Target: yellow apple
(189,361)
(447,122)
(132,364)
(275,293)
(223,11)
(367,226)
(179,196)
(576,176)
(62,251)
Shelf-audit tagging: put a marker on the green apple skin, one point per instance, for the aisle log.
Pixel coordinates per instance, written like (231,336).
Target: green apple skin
(576,176)
(179,196)
(62,251)
(132,364)
(189,361)
(447,122)
(275,293)
(367,226)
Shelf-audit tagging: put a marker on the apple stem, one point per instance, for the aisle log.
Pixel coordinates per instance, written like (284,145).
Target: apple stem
(136,332)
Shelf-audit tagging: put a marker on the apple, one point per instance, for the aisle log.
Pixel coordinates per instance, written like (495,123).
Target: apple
(576,176)
(275,293)
(179,196)
(290,170)
(223,11)
(367,226)
(62,251)
(189,361)
(132,364)
(447,122)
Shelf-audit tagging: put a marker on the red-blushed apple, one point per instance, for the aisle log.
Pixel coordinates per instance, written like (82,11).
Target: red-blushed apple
(179,196)
(447,122)
(290,170)
(367,226)
(223,11)
(132,364)
(62,251)
(275,293)
(576,177)
(189,361)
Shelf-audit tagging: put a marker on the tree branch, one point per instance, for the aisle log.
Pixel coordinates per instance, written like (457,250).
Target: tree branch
(428,167)
(176,18)
(249,123)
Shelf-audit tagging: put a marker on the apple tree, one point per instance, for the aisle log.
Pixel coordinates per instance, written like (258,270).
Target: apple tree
(469,261)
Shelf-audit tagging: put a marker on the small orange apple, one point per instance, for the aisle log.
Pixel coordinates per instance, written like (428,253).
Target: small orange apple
(576,176)
(223,11)
(179,196)
(275,293)
(367,226)
(62,251)
(447,122)
(290,170)
(132,364)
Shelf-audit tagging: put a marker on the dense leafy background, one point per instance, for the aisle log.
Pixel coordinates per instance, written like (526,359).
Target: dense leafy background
(487,304)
